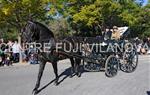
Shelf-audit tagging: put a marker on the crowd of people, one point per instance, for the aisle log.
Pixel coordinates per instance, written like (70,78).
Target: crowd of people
(10,52)
(143,45)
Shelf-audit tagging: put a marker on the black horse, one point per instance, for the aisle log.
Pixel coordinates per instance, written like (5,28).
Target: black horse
(38,33)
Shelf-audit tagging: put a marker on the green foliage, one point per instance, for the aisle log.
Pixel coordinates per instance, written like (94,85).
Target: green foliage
(12,35)
(143,24)
(60,28)
(91,16)
(146,33)
(15,13)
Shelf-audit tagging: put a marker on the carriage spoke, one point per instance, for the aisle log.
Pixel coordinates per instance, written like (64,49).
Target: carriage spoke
(131,60)
(111,66)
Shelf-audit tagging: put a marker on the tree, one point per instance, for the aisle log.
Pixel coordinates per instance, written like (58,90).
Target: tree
(94,14)
(144,18)
(16,13)
(84,16)
(60,28)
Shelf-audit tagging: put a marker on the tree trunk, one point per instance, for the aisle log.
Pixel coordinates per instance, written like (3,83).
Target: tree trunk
(20,53)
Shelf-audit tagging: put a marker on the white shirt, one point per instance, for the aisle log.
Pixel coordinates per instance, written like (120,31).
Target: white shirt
(16,48)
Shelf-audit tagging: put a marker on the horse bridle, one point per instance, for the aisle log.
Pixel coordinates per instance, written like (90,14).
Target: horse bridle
(28,36)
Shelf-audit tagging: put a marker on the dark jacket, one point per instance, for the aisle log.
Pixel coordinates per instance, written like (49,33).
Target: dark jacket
(107,35)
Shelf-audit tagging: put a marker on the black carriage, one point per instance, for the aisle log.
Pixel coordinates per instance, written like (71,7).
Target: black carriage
(110,56)
(100,57)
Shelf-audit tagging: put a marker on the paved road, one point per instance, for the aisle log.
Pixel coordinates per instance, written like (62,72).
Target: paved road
(20,80)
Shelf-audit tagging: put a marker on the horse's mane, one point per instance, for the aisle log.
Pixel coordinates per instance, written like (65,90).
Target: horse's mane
(41,26)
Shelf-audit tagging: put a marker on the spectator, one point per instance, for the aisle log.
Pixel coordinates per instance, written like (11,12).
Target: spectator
(2,54)
(8,56)
(16,50)
(148,52)
(137,41)
(148,41)
(10,44)
(32,55)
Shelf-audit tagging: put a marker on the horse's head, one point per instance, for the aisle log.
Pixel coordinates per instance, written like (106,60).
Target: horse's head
(36,32)
(29,32)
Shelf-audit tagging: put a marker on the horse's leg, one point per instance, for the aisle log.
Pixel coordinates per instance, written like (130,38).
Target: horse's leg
(77,62)
(41,69)
(54,64)
(72,67)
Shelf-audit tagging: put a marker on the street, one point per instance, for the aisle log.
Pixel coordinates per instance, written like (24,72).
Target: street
(21,79)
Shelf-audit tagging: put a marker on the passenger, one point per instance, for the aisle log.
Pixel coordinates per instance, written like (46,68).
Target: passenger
(115,34)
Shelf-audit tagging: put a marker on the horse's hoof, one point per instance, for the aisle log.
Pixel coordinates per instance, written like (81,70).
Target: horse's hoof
(56,83)
(71,76)
(35,91)
(79,74)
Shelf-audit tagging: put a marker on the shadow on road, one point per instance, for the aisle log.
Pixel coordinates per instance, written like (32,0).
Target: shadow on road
(66,74)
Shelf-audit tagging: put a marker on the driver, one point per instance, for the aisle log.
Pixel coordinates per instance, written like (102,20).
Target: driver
(107,34)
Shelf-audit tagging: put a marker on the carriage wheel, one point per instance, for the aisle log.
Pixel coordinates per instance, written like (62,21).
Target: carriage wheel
(130,61)
(111,66)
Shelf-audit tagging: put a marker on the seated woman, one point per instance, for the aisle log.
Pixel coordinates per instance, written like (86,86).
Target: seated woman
(115,34)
